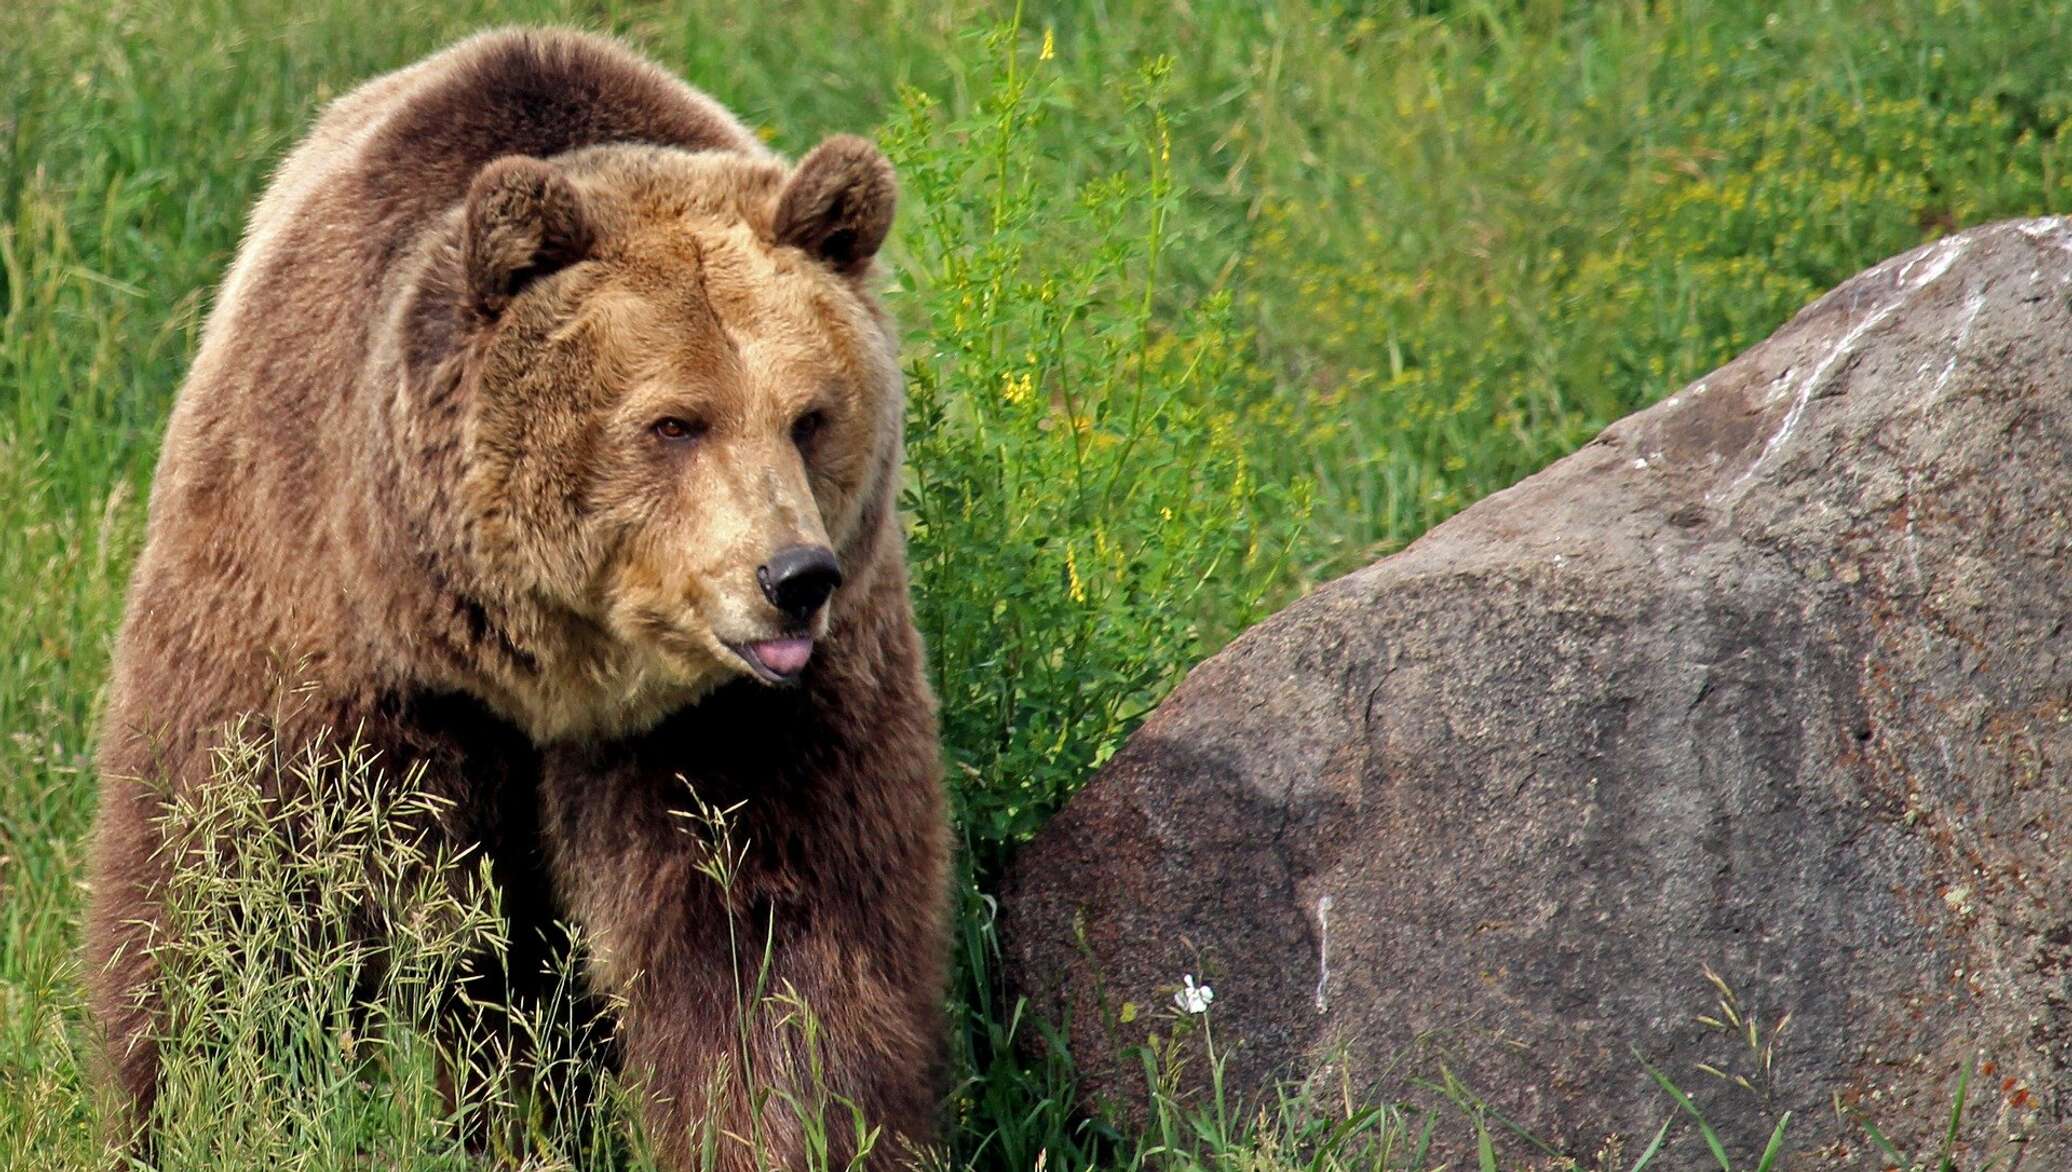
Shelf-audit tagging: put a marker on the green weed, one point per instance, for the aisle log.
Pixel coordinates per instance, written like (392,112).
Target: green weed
(1086,522)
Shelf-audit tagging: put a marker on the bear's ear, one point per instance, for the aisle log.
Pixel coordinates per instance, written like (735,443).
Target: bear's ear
(524,221)
(837,205)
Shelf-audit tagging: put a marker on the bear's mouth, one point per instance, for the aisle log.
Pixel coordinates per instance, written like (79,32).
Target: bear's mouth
(776,661)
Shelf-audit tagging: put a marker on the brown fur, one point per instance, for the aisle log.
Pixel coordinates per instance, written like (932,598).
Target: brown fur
(415,458)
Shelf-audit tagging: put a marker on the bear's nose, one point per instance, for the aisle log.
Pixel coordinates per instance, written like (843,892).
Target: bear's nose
(798,578)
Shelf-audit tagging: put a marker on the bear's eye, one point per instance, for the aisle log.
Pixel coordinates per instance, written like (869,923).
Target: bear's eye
(808,426)
(670,429)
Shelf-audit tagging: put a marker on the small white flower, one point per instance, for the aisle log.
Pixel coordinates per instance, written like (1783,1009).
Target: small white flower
(1194,998)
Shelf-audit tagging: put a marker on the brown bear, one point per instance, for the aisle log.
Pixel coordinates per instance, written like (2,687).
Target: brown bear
(550,426)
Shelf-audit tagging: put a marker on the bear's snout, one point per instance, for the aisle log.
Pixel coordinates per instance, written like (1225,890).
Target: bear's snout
(798,579)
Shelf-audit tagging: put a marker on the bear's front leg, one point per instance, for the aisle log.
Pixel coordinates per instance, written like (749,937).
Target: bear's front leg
(774,941)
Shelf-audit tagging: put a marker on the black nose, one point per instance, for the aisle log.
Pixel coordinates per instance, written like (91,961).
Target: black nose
(798,578)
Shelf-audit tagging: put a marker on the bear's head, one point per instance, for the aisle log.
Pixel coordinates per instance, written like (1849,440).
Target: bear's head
(681,412)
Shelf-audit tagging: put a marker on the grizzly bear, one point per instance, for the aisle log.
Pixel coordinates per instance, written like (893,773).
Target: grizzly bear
(550,427)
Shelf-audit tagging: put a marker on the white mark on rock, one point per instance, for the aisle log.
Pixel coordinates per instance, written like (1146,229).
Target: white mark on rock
(1912,276)
(1972,305)
(1938,261)
(1913,543)
(1640,464)
(1778,386)
(2046,228)
(1323,951)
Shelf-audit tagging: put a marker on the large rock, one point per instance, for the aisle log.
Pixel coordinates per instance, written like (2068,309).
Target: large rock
(1772,678)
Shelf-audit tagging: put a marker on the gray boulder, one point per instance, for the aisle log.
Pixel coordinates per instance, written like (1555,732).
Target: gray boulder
(1771,680)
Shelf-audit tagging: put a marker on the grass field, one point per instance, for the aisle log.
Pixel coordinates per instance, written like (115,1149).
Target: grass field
(1316,275)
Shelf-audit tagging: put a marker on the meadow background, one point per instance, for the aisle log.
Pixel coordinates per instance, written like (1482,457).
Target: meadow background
(1207,302)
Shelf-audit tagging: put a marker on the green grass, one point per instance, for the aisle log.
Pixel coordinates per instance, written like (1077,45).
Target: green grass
(1207,303)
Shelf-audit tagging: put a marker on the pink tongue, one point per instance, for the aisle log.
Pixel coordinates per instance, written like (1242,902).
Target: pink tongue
(783,656)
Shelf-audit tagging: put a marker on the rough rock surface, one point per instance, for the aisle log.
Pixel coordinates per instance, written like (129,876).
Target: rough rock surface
(1771,678)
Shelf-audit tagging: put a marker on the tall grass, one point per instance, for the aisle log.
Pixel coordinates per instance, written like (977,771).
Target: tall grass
(1206,302)
(312,940)
(1086,520)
